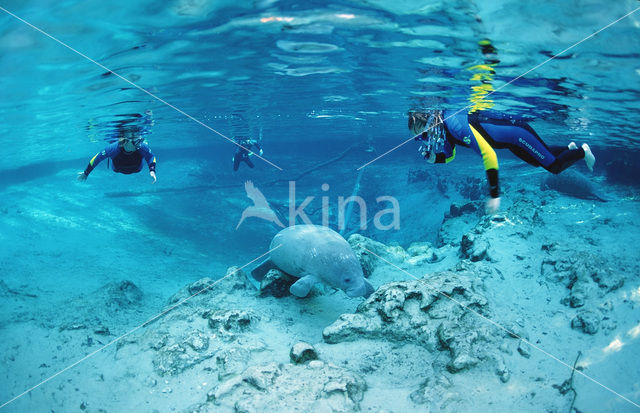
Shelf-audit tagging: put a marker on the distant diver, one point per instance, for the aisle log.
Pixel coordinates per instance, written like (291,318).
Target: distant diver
(128,150)
(440,131)
(244,151)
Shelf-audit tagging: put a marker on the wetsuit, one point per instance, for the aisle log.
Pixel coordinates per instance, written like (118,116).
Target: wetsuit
(243,153)
(122,161)
(483,132)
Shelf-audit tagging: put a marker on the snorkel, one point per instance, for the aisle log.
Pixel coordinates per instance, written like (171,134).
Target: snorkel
(130,140)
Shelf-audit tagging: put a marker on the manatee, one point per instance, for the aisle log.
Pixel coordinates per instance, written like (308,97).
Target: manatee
(573,184)
(315,254)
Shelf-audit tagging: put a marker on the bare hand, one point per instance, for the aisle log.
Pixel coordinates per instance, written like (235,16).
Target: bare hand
(492,206)
(82,177)
(153,175)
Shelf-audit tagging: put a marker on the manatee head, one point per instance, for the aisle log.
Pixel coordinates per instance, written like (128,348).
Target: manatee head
(350,278)
(361,288)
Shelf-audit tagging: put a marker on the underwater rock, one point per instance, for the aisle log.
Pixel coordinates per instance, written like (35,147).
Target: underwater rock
(231,362)
(101,330)
(587,321)
(125,293)
(421,252)
(302,352)
(523,349)
(579,293)
(362,245)
(607,279)
(461,219)
(197,340)
(472,188)
(174,356)
(316,364)
(501,369)
(574,184)
(457,209)
(276,284)
(121,294)
(234,280)
(435,392)
(201,408)
(582,273)
(261,387)
(474,247)
(527,210)
(113,304)
(201,287)
(417,311)
(261,376)
(72,326)
(229,322)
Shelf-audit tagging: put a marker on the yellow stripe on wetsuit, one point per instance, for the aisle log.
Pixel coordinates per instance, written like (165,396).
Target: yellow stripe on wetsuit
(489,157)
(93,159)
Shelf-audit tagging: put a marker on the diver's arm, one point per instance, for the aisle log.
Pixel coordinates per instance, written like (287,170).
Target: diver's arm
(100,156)
(148,156)
(490,161)
(492,177)
(108,152)
(151,160)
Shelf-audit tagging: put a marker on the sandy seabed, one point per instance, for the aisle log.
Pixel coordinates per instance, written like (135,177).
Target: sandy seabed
(491,317)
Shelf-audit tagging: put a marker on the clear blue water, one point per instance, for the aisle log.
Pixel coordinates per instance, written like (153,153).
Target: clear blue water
(311,78)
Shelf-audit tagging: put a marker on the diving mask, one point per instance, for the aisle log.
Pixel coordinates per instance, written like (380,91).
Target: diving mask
(131,144)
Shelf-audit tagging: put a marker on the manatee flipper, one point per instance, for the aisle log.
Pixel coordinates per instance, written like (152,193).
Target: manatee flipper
(262,269)
(302,287)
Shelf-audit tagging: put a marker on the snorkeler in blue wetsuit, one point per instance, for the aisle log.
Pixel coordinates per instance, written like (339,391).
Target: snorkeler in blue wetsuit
(244,151)
(127,153)
(440,132)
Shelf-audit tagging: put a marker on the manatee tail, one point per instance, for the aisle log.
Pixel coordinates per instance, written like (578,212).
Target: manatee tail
(262,269)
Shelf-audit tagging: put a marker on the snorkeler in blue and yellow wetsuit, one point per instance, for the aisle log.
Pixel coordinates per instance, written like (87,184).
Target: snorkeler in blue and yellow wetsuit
(127,152)
(441,131)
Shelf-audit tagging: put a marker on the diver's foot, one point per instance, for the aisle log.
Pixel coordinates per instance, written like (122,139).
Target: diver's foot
(588,156)
(572,146)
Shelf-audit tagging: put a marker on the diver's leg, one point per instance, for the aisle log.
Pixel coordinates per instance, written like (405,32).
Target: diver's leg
(521,140)
(558,150)
(565,160)
(236,163)
(524,155)
(248,162)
